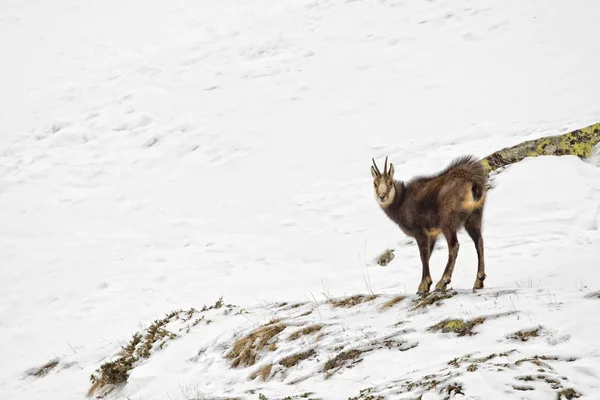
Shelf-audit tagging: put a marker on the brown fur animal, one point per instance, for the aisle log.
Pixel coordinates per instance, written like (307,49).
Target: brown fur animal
(443,203)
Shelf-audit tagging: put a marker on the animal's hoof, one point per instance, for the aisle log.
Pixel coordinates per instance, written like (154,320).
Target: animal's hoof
(479,282)
(424,286)
(441,286)
(478,285)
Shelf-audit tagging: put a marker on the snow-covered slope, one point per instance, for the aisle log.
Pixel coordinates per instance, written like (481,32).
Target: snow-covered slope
(155,156)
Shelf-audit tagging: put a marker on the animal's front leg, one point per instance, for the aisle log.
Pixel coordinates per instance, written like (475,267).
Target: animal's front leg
(424,250)
(453,247)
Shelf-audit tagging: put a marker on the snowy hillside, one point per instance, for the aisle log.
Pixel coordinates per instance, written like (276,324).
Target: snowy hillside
(157,156)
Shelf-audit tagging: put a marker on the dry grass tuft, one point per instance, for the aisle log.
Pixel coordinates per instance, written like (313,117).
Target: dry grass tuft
(365,394)
(458,326)
(43,370)
(352,300)
(305,331)
(142,344)
(245,350)
(391,303)
(296,358)
(434,298)
(262,373)
(525,335)
(341,359)
(568,394)
(594,295)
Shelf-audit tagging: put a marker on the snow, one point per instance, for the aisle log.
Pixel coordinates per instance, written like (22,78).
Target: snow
(158,155)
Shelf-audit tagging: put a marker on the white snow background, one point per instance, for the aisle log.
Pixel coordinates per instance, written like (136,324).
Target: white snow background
(157,155)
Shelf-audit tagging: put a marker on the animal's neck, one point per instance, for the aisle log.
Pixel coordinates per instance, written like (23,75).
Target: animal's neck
(393,208)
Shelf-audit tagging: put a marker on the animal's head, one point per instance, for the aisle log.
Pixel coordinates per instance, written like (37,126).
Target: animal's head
(383,184)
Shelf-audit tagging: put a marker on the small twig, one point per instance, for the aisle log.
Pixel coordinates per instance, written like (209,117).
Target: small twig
(71,348)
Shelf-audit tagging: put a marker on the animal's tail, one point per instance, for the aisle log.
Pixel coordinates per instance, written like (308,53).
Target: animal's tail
(477,190)
(470,170)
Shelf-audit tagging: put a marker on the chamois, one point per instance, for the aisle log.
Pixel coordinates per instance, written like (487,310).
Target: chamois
(443,203)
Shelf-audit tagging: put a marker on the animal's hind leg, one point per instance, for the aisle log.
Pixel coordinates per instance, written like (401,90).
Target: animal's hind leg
(453,247)
(473,228)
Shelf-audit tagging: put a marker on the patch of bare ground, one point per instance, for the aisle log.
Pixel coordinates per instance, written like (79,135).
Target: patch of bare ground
(245,350)
(305,331)
(391,303)
(594,295)
(352,301)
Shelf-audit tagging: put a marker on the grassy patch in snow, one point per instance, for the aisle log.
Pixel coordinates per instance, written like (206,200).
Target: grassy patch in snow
(391,303)
(42,371)
(568,394)
(245,351)
(365,394)
(458,326)
(143,344)
(308,330)
(434,298)
(263,372)
(453,379)
(352,301)
(345,358)
(525,334)
(294,359)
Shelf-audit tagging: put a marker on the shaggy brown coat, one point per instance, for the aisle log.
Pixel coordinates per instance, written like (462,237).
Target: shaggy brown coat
(443,203)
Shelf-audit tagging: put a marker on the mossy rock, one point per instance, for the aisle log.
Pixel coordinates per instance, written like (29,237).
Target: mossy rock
(454,325)
(458,326)
(385,258)
(578,143)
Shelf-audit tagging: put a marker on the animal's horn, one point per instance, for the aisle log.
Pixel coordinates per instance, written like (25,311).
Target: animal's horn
(376,169)
(385,171)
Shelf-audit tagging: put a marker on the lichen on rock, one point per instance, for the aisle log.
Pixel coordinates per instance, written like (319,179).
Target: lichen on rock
(578,143)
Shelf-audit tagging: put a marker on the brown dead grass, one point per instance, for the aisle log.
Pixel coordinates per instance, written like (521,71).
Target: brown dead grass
(43,370)
(262,373)
(341,359)
(434,298)
(245,350)
(525,334)
(391,303)
(305,331)
(352,300)
(294,359)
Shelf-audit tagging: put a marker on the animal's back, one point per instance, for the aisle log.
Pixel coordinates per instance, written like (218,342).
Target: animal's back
(458,188)
(461,170)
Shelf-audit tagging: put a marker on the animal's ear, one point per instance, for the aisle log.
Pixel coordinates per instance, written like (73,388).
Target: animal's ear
(374,173)
(391,171)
